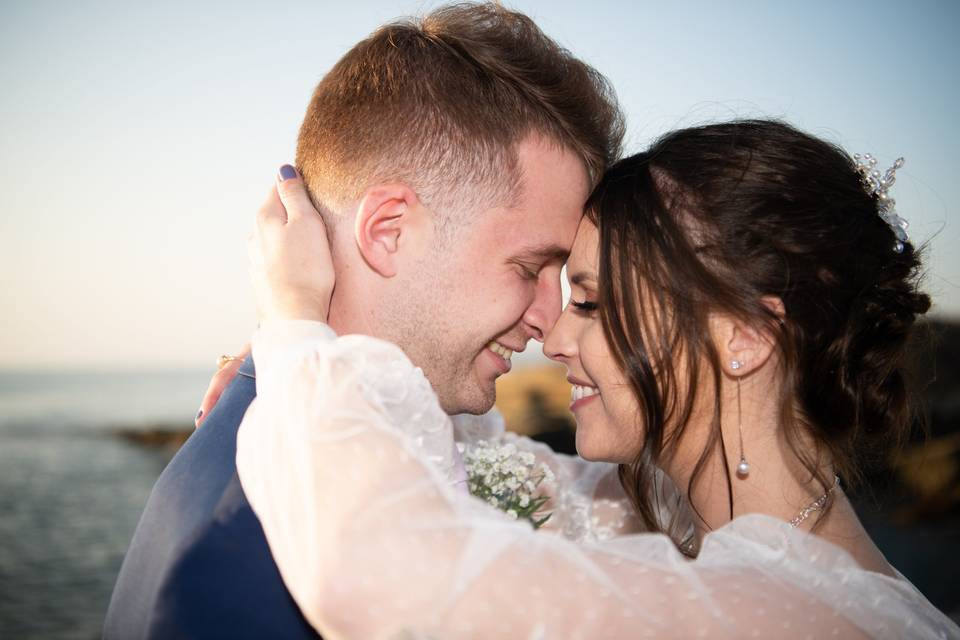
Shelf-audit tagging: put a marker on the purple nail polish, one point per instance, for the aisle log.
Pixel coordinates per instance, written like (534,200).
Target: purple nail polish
(287,172)
(200,414)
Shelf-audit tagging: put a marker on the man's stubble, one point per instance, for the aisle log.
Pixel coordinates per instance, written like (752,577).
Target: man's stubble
(428,317)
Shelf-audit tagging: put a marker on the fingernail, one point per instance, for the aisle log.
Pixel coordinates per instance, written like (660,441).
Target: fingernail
(287,172)
(199,414)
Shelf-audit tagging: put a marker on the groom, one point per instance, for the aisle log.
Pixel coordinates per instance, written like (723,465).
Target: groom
(450,159)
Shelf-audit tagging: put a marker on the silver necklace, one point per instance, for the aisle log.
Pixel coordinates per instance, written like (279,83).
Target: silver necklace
(816,505)
(689,545)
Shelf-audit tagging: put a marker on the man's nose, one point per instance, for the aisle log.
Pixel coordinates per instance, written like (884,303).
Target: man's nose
(545,309)
(560,343)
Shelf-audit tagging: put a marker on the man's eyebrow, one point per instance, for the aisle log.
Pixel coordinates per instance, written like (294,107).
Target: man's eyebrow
(545,253)
(583,276)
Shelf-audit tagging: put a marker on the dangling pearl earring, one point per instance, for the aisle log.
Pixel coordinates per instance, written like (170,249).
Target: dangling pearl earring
(743,469)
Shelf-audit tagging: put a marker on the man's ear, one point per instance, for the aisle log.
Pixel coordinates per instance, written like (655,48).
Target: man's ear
(743,347)
(389,215)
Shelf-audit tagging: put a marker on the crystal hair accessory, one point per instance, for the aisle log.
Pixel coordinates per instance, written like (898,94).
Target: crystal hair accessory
(878,184)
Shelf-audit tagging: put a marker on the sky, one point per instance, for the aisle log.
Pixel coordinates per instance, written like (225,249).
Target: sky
(138,139)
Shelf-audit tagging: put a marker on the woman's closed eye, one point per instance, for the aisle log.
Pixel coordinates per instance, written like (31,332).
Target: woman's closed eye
(585,306)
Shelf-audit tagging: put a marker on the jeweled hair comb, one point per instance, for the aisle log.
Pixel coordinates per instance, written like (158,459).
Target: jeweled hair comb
(878,184)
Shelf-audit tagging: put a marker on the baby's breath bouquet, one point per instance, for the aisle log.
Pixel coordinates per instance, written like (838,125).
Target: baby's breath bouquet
(507,479)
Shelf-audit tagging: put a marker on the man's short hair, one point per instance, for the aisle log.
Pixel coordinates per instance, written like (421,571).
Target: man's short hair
(441,103)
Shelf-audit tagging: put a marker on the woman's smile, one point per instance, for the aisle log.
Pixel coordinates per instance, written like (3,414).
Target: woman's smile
(581,394)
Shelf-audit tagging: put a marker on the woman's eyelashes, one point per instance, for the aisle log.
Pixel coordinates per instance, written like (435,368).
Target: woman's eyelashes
(585,306)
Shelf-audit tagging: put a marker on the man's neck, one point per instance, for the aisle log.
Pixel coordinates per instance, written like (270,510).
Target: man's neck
(342,322)
(345,316)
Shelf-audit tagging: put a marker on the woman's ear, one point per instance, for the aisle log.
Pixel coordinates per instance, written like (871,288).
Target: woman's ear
(744,347)
(387,214)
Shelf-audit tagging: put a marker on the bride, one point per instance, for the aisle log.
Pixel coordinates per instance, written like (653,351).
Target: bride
(742,295)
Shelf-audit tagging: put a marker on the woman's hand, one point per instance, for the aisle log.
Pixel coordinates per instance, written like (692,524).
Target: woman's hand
(290,266)
(219,383)
(290,262)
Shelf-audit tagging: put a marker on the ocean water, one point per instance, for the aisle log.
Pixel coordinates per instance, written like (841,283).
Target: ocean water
(71,490)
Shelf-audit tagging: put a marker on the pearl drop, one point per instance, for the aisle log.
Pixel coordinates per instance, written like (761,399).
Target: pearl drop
(743,468)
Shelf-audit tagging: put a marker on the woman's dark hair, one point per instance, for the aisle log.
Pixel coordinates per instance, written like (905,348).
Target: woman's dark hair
(719,218)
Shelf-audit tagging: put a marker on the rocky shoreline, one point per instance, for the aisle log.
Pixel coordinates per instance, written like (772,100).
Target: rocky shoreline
(167,437)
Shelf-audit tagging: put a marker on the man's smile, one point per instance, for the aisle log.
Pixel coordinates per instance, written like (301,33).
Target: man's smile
(502,355)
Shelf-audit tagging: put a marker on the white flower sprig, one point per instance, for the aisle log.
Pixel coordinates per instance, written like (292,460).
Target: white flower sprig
(507,479)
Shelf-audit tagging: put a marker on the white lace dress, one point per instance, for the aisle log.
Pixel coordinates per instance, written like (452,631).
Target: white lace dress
(348,461)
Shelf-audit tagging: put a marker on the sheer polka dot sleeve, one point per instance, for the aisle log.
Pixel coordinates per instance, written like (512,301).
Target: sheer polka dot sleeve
(346,458)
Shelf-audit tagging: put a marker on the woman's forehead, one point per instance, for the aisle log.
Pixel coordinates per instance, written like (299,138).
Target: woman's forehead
(585,252)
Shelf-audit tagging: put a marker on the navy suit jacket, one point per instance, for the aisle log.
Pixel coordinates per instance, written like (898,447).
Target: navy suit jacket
(199,565)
